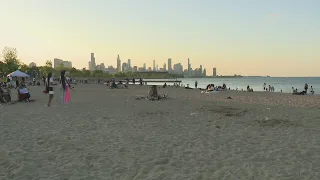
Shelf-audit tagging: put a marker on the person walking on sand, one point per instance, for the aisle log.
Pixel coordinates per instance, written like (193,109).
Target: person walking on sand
(65,86)
(49,88)
(196,84)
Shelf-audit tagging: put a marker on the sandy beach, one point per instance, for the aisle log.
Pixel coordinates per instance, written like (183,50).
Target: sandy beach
(109,134)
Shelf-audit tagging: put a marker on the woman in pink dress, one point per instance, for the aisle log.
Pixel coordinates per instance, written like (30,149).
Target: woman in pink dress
(65,88)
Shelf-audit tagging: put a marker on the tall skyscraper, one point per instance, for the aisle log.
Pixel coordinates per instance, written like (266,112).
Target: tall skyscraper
(124,67)
(92,62)
(118,64)
(154,65)
(129,64)
(189,68)
(214,71)
(169,65)
(200,69)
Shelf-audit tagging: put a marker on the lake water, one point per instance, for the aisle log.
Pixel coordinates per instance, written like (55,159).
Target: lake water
(279,83)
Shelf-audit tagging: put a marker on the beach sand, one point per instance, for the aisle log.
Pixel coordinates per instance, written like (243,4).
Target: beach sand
(108,134)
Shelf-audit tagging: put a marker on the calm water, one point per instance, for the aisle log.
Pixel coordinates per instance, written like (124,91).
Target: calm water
(256,83)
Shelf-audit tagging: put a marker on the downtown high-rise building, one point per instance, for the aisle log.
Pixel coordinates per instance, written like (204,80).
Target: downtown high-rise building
(177,68)
(154,65)
(129,64)
(189,68)
(144,67)
(118,64)
(214,71)
(169,65)
(92,63)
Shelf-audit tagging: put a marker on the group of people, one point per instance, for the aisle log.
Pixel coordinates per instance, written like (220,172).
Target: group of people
(269,88)
(65,87)
(112,83)
(23,93)
(305,92)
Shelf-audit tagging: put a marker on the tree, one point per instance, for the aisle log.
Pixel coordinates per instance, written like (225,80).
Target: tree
(10,56)
(98,73)
(86,73)
(24,68)
(2,68)
(48,63)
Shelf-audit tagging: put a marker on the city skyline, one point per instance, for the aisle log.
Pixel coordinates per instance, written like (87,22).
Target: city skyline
(126,66)
(247,37)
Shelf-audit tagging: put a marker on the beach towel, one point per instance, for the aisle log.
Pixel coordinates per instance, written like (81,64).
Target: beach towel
(67,96)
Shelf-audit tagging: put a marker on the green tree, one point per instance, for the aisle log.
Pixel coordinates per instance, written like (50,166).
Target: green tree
(61,67)
(48,63)
(75,72)
(97,73)
(24,68)
(86,73)
(10,56)
(2,68)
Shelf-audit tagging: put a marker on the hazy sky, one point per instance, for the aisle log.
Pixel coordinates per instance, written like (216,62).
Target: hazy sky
(248,37)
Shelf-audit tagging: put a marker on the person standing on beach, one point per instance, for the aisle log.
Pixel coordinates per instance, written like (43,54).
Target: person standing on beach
(196,84)
(49,88)
(65,86)
(306,88)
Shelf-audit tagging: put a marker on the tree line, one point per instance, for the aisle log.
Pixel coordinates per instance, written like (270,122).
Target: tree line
(11,63)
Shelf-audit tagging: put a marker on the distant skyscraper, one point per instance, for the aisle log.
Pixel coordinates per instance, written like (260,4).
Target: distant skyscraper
(59,62)
(214,71)
(118,64)
(164,67)
(200,69)
(169,65)
(189,68)
(154,64)
(129,64)
(204,72)
(144,67)
(124,67)
(177,68)
(92,62)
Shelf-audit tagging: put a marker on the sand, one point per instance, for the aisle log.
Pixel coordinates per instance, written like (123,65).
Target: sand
(108,134)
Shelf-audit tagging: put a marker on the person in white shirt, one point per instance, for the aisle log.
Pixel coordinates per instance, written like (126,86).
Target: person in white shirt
(34,81)
(49,88)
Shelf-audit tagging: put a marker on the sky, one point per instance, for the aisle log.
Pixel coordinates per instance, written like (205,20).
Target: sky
(247,37)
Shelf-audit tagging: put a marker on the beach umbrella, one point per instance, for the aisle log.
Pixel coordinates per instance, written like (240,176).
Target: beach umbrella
(18,73)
